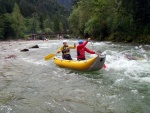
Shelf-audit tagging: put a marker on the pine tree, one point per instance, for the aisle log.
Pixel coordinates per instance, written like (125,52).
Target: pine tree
(18,22)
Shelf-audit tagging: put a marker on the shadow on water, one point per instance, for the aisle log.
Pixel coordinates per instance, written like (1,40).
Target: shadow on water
(89,74)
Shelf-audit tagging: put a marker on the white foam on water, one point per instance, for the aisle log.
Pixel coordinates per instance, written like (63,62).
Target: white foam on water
(134,91)
(124,63)
(49,44)
(100,44)
(134,69)
(36,62)
(143,79)
(5,109)
(118,81)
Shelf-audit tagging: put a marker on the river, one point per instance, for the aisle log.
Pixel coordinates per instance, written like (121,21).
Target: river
(29,84)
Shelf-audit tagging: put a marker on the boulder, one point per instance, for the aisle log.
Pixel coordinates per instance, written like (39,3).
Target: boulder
(24,50)
(130,57)
(35,46)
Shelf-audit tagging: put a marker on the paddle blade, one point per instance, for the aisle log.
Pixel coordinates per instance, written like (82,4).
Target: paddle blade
(104,66)
(48,57)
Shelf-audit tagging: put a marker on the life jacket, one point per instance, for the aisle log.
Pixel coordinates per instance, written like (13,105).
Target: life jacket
(65,50)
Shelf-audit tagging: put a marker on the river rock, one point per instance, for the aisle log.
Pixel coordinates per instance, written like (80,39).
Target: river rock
(130,57)
(35,46)
(24,50)
(10,56)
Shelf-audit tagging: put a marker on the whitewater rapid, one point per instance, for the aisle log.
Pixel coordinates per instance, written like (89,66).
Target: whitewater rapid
(30,84)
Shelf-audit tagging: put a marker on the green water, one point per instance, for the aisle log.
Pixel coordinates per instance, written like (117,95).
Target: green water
(29,84)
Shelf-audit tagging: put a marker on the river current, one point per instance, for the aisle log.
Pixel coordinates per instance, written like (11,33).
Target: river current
(29,84)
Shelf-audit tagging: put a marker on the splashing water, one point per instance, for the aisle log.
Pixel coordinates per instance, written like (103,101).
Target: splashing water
(30,84)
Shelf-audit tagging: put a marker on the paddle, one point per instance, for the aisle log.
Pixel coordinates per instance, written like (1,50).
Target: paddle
(94,49)
(48,57)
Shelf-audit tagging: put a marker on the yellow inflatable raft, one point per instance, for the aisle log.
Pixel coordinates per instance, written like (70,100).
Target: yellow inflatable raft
(92,64)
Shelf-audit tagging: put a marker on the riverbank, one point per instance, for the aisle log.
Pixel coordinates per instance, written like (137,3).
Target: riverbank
(141,39)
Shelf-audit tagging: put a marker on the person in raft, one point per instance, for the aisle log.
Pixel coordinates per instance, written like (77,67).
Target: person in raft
(65,49)
(81,48)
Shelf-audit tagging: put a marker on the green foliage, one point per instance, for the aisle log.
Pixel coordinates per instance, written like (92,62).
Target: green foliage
(8,29)
(48,24)
(1,27)
(61,27)
(56,23)
(31,16)
(80,16)
(47,30)
(6,6)
(89,17)
(41,23)
(74,21)
(122,20)
(18,22)
(67,36)
(58,26)
(143,39)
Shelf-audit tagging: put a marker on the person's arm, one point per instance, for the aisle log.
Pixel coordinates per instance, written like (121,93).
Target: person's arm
(84,44)
(89,51)
(60,49)
(72,47)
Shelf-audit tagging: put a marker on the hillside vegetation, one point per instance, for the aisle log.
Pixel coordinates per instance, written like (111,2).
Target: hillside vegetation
(114,20)
(19,18)
(110,20)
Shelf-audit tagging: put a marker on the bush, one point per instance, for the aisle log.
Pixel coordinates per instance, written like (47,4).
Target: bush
(67,36)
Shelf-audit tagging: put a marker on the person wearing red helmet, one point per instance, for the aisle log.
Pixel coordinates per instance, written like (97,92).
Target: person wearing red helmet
(81,48)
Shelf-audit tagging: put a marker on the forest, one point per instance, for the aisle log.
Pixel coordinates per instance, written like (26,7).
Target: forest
(104,20)
(20,18)
(112,20)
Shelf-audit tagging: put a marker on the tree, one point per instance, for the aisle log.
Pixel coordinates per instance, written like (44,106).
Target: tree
(48,25)
(41,22)
(58,26)
(8,31)
(92,17)
(80,15)
(141,16)
(74,21)
(18,22)
(1,27)
(98,25)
